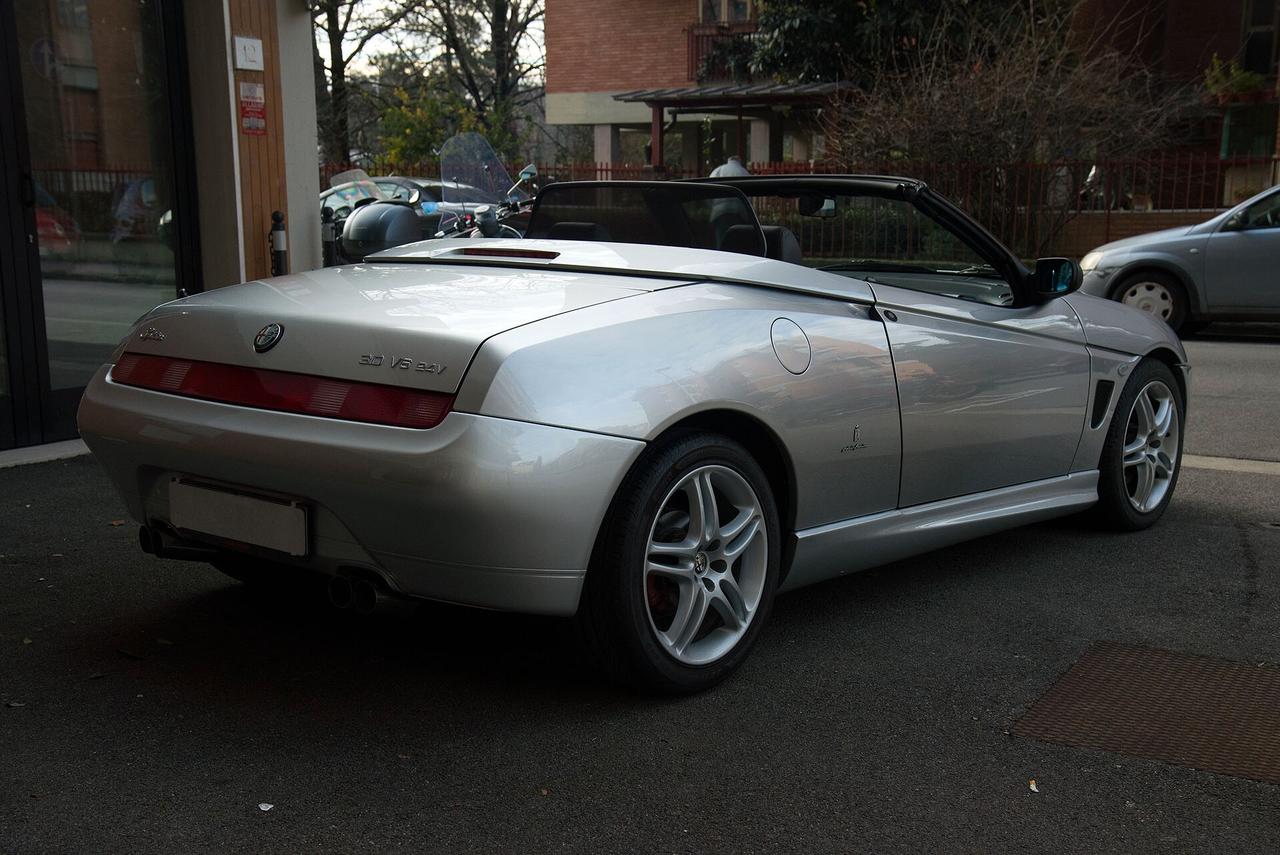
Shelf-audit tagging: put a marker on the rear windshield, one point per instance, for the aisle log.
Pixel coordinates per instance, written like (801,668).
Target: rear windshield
(665,214)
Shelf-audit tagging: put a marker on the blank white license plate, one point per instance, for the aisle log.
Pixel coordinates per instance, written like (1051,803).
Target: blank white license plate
(273,524)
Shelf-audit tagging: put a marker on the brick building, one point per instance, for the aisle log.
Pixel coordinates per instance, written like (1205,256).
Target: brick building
(600,49)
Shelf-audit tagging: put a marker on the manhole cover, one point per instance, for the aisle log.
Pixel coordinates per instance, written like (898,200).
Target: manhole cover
(1210,714)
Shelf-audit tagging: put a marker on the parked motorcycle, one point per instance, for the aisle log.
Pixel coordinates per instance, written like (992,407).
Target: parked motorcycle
(375,222)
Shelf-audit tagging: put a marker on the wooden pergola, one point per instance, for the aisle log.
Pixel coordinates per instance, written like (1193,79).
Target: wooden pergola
(731,99)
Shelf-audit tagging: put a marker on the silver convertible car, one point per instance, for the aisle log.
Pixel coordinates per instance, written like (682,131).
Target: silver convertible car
(665,405)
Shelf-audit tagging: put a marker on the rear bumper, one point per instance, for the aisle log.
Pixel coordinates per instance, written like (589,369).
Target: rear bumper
(481,511)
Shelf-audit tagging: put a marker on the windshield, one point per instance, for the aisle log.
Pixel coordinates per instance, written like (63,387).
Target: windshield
(472,175)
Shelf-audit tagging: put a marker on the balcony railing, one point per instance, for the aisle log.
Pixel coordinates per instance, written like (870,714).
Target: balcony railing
(703,39)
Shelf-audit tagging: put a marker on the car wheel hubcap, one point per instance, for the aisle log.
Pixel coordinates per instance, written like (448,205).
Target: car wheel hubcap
(1150,297)
(1151,447)
(706,565)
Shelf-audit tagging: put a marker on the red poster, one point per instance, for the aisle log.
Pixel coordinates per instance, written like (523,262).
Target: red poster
(253,109)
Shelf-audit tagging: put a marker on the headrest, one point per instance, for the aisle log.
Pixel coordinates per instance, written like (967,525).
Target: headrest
(578,231)
(782,244)
(742,238)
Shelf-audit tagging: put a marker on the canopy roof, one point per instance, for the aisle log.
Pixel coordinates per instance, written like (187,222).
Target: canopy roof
(733,95)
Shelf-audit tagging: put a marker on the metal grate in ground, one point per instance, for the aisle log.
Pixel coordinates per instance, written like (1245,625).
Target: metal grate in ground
(1210,714)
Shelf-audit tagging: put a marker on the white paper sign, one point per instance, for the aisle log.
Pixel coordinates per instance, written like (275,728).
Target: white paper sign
(248,54)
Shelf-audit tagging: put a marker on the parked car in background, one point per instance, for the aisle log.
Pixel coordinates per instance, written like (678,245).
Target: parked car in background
(56,230)
(436,197)
(343,195)
(1222,269)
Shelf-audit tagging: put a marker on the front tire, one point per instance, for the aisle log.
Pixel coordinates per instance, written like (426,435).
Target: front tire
(686,566)
(1142,455)
(1156,294)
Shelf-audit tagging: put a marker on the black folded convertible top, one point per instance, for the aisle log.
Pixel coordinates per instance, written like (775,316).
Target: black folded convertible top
(662,213)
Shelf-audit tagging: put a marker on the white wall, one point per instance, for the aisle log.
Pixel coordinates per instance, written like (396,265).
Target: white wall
(213,127)
(301,152)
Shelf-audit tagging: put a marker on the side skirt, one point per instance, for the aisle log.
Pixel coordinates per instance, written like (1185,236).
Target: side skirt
(840,548)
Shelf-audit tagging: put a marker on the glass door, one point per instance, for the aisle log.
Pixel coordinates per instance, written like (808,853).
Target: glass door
(16,354)
(95,85)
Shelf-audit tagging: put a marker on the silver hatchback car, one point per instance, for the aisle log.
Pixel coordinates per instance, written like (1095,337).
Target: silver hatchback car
(1224,269)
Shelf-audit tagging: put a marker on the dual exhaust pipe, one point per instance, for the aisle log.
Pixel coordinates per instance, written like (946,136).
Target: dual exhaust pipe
(364,596)
(154,542)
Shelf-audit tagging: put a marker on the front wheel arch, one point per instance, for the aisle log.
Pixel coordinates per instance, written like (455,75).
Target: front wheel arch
(1195,301)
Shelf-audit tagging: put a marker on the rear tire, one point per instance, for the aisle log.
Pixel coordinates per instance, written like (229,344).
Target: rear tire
(685,566)
(1142,454)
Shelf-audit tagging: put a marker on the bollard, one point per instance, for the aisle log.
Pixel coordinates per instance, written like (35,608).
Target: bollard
(279,242)
(328,242)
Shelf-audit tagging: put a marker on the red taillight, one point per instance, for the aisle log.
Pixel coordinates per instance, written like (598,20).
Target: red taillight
(284,391)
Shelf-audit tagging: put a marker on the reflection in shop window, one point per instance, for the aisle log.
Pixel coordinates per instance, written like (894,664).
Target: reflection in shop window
(95,91)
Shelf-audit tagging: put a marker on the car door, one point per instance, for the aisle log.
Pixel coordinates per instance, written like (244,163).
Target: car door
(1240,259)
(991,395)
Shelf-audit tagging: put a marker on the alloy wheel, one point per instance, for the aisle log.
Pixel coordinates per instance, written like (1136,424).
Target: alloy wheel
(706,564)
(1150,456)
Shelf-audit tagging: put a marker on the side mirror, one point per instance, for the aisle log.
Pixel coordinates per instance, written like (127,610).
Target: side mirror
(528,173)
(415,196)
(1054,277)
(1236,222)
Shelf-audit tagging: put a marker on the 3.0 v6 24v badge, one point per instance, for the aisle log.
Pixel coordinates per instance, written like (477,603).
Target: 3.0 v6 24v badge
(404,363)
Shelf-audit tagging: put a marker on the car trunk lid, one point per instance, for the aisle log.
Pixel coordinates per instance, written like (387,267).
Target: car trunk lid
(415,326)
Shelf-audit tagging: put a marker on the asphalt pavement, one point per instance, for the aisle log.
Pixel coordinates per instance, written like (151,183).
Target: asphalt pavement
(155,706)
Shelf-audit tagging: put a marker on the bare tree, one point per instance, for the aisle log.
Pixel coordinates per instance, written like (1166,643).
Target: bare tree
(1028,88)
(489,52)
(348,26)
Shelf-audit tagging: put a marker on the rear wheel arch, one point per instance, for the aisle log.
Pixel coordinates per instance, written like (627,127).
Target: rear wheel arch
(767,449)
(615,615)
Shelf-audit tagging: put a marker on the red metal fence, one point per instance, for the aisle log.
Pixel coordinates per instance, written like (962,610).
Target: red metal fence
(1035,208)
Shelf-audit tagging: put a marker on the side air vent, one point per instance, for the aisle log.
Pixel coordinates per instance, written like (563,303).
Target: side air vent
(1101,401)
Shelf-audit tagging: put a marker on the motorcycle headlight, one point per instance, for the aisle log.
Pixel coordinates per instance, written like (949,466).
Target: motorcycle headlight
(1090,261)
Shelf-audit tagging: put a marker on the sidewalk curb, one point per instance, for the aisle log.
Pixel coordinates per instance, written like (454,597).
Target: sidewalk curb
(43,453)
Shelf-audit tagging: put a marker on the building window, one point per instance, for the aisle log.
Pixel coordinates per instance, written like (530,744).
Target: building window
(725,11)
(1260,37)
(73,14)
